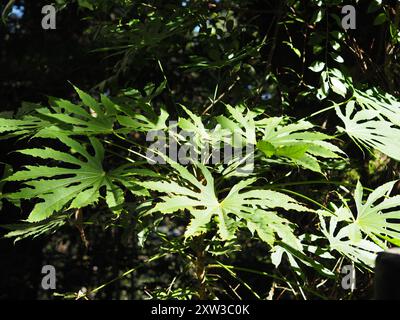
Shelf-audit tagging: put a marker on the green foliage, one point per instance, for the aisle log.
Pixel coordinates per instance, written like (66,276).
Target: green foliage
(250,207)
(372,218)
(375,123)
(303,117)
(80,189)
(296,143)
(33,230)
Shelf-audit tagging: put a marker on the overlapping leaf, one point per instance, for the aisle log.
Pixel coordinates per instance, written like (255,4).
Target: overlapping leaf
(91,118)
(27,126)
(296,142)
(378,217)
(375,124)
(22,231)
(241,124)
(62,116)
(361,251)
(250,208)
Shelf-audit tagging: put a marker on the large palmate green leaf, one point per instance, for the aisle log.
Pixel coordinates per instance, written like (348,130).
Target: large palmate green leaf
(251,208)
(89,118)
(75,186)
(254,207)
(378,214)
(296,142)
(377,217)
(62,116)
(374,124)
(340,239)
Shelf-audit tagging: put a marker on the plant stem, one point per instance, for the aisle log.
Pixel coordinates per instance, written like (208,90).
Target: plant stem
(154,258)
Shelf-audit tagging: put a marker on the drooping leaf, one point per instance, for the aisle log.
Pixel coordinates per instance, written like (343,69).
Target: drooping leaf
(22,231)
